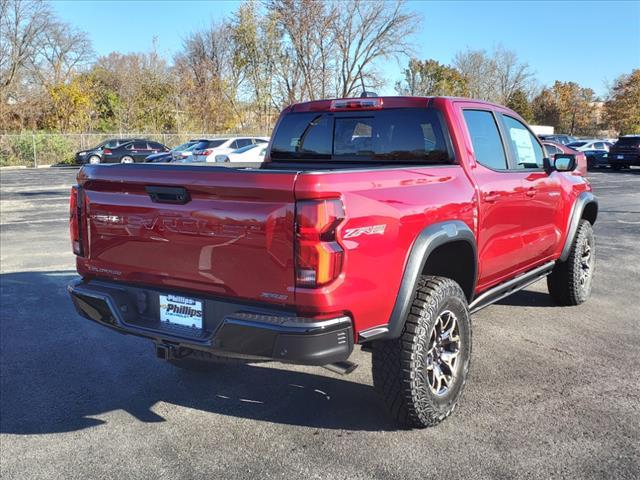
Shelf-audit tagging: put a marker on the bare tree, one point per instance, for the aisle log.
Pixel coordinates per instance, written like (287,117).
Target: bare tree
(208,83)
(64,50)
(307,37)
(23,23)
(512,75)
(494,76)
(365,32)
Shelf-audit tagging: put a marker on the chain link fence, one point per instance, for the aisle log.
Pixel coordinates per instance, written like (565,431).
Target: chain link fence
(41,149)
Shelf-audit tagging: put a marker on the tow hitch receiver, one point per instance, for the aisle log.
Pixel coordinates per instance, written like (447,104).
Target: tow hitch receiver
(165,352)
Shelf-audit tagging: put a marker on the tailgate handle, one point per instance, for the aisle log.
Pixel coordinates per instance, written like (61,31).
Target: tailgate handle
(178,195)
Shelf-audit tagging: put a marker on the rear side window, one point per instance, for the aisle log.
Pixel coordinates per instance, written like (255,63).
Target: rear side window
(527,152)
(396,135)
(485,138)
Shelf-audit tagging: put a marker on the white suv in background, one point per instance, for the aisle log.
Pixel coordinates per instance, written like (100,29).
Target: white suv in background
(207,150)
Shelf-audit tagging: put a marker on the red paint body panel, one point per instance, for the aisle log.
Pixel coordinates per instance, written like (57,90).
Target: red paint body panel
(236,237)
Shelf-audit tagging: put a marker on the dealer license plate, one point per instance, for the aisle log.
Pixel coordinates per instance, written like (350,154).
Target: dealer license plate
(180,310)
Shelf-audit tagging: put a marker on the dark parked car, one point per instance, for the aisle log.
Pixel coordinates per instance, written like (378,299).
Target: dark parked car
(559,138)
(596,159)
(135,151)
(160,157)
(625,152)
(94,155)
(182,150)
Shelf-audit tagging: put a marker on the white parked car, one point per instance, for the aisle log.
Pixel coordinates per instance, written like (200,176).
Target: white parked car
(584,145)
(207,150)
(250,153)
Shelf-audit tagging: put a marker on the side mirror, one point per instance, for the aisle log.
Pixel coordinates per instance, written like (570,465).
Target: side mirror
(564,162)
(547,165)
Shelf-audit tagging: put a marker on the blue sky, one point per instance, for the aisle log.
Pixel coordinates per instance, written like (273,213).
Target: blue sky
(590,42)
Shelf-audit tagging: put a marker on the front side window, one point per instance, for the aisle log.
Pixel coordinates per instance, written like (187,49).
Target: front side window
(485,138)
(527,151)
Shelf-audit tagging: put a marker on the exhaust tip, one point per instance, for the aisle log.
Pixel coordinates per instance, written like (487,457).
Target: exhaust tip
(342,368)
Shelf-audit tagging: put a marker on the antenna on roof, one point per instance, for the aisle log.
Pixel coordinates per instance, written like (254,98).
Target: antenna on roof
(364,93)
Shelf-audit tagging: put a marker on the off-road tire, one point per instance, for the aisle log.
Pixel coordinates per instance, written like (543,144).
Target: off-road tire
(567,282)
(400,365)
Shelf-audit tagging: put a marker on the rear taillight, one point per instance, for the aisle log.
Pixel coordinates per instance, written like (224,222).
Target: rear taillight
(319,256)
(75,216)
(106,151)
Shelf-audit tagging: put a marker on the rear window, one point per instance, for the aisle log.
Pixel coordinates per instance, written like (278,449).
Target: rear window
(203,144)
(628,142)
(397,135)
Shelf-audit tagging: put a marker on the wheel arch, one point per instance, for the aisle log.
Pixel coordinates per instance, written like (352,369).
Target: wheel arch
(585,207)
(446,249)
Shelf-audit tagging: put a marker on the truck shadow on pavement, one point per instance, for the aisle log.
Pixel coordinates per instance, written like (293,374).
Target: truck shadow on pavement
(528,298)
(61,373)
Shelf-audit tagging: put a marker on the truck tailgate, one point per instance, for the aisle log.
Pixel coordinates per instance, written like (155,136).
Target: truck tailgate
(233,236)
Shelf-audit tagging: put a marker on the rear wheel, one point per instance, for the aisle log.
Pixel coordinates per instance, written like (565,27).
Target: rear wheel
(94,159)
(421,375)
(126,159)
(570,282)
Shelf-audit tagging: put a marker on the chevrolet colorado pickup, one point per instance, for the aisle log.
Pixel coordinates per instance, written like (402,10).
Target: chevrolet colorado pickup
(383,221)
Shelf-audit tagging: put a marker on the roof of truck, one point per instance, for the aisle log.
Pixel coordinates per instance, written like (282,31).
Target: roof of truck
(387,102)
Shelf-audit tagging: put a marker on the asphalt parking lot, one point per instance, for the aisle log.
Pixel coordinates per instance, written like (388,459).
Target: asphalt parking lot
(553,392)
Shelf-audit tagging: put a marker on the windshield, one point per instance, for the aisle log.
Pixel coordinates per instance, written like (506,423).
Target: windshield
(398,135)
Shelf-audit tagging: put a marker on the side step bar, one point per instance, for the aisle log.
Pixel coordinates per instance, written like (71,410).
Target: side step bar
(505,289)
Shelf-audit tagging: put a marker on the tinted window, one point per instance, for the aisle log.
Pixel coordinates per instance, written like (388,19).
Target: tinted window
(415,135)
(628,142)
(139,145)
(243,142)
(526,150)
(485,138)
(203,144)
(260,140)
(156,146)
(576,144)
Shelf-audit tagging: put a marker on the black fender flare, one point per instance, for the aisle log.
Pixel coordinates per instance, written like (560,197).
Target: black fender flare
(584,199)
(426,242)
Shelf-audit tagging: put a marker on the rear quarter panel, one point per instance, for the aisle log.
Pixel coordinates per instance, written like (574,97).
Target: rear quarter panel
(402,200)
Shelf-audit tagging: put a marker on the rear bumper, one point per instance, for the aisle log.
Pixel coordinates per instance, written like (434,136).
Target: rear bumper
(627,158)
(231,329)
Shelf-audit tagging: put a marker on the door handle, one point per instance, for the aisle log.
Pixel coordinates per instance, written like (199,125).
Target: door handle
(491,197)
(531,192)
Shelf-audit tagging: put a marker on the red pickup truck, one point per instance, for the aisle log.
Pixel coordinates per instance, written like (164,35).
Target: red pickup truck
(383,221)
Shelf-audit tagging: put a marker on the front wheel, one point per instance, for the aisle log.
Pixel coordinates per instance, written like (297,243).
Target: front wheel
(421,375)
(569,282)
